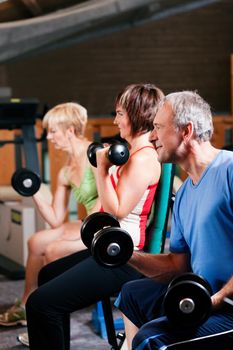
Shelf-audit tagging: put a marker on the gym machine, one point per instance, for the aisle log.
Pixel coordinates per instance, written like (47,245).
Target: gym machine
(18,114)
(21,114)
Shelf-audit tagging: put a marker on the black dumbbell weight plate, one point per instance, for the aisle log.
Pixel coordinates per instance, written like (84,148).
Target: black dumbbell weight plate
(25,182)
(190,276)
(118,153)
(187,304)
(91,152)
(112,247)
(95,222)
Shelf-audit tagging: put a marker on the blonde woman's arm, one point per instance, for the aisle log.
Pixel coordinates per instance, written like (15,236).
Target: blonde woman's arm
(54,213)
(97,205)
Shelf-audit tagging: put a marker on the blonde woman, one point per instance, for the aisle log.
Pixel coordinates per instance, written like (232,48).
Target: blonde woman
(65,124)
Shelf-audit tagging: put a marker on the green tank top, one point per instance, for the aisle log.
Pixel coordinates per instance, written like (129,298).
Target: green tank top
(86,193)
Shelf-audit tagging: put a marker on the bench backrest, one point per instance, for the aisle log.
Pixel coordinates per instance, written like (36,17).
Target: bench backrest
(157,228)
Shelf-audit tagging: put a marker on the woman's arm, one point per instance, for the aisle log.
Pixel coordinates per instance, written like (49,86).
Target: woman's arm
(54,214)
(137,174)
(97,205)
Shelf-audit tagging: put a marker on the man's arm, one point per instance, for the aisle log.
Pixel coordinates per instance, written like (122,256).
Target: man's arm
(162,267)
(225,292)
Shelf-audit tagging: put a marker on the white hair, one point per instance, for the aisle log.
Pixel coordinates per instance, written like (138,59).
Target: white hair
(189,106)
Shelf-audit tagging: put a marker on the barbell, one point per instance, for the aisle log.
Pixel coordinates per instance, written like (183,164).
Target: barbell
(107,242)
(25,182)
(118,153)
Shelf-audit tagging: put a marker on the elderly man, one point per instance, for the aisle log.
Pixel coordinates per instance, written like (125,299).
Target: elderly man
(202,228)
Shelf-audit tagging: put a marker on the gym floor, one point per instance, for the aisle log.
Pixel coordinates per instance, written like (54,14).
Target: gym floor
(83,336)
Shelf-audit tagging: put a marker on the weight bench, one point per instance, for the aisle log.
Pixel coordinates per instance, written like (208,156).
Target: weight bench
(223,340)
(102,316)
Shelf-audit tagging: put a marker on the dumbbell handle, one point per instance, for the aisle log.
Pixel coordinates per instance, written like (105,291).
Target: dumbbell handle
(187,305)
(114,248)
(117,154)
(26,182)
(228,301)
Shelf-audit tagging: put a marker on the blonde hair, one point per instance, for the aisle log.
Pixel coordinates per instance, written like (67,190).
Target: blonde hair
(66,115)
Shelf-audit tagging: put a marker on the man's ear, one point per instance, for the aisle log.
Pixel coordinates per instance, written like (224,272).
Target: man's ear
(187,132)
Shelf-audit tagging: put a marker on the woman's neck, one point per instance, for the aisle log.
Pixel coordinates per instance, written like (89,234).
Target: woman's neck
(139,141)
(78,147)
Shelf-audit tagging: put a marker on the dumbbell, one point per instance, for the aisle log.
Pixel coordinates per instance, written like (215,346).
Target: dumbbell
(107,242)
(118,153)
(25,182)
(187,302)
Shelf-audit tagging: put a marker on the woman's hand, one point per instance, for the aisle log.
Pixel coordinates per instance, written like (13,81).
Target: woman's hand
(102,160)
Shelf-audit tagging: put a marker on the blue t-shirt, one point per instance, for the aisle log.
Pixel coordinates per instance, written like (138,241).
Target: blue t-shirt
(202,223)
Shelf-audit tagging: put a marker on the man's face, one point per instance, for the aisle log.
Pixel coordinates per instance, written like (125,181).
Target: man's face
(166,139)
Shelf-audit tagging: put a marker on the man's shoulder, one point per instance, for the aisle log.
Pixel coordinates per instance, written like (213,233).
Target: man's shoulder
(226,154)
(226,159)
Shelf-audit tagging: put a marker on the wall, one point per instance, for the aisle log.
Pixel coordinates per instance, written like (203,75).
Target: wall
(3,75)
(186,51)
(232,84)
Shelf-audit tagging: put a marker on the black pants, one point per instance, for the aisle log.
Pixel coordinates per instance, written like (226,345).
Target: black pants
(67,285)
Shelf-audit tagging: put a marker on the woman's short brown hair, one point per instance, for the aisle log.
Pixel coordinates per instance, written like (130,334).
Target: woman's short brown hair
(140,101)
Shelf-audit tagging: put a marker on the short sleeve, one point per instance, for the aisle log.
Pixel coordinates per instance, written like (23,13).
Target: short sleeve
(177,241)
